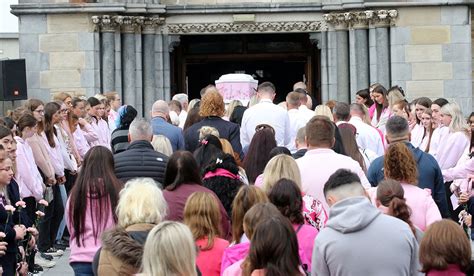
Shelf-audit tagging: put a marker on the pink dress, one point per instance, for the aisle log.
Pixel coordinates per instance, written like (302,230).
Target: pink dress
(209,261)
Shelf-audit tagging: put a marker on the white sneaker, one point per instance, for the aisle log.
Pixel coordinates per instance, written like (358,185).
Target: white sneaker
(54,252)
(43,262)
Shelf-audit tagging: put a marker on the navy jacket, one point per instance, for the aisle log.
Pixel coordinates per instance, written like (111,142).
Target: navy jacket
(227,130)
(140,160)
(173,133)
(429,176)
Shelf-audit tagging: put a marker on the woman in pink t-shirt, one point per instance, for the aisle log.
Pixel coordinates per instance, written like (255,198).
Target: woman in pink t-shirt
(286,196)
(202,215)
(90,208)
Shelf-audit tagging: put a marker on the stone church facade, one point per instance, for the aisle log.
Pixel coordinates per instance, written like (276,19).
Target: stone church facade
(150,49)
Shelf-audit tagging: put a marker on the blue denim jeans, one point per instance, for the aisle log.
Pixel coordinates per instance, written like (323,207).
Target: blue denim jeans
(82,269)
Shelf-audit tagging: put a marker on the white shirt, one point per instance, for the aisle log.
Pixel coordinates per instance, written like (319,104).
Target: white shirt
(367,137)
(182,118)
(439,134)
(265,112)
(297,121)
(417,135)
(306,113)
(380,124)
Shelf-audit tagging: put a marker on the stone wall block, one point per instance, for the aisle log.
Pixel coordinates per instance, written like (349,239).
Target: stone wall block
(461,34)
(28,43)
(457,88)
(432,71)
(456,52)
(69,23)
(422,53)
(400,35)
(430,89)
(423,16)
(462,70)
(455,15)
(401,71)
(86,41)
(67,60)
(36,61)
(431,35)
(33,80)
(87,78)
(59,79)
(397,53)
(32,24)
(58,43)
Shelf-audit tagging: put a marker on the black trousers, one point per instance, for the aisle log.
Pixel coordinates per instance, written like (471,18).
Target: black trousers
(49,224)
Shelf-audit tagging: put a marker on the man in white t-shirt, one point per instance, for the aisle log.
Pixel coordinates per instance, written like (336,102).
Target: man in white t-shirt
(265,112)
(367,136)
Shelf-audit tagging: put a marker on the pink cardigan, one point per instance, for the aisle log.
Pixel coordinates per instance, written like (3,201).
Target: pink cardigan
(424,210)
(28,177)
(451,148)
(91,242)
(41,155)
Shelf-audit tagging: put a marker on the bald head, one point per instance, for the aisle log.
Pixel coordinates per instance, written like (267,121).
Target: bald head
(160,109)
(300,85)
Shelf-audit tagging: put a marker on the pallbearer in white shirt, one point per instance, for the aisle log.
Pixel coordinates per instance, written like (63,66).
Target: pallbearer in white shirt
(265,112)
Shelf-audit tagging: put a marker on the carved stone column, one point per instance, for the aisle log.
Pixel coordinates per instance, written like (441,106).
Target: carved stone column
(379,45)
(338,57)
(129,62)
(358,52)
(107,26)
(149,79)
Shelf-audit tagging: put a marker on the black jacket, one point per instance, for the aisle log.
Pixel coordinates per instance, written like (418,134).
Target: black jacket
(140,160)
(227,130)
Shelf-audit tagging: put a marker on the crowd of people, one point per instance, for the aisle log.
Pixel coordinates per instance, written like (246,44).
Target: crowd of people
(382,186)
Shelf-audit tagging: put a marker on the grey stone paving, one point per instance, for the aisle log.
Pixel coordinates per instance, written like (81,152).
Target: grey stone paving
(62,267)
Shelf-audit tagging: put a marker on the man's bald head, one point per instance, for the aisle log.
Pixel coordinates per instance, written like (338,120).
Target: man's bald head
(300,85)
(160,109)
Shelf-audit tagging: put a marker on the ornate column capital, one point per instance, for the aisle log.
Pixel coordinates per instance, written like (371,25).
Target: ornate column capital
(360,19)
(104,23)
(150,24)
(130,24)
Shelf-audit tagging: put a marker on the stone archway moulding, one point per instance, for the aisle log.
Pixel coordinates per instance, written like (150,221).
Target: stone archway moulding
(343,20)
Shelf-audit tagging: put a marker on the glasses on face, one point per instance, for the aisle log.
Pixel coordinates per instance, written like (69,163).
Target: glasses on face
(63,110)
(41,111)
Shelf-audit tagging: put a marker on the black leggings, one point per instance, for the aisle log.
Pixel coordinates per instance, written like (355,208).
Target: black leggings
(49,224)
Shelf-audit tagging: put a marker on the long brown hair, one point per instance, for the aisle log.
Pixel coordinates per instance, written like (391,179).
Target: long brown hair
(49,110)
(445,243)
(390,193)
(399,164)
(349,142)
(31,105)
(247,197)
(430,129)
(96,183)
(203,217)
(273,247)
(379,89)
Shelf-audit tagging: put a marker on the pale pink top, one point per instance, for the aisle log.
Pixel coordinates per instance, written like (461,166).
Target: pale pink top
(424,210)
(91,242)
(70,140)
(81,141)
(104,133)
(96,129)
(451,149)
(55,154)
(41,155)
(439,135)
(371,111)
(89,133)
(317,165)
(27,175)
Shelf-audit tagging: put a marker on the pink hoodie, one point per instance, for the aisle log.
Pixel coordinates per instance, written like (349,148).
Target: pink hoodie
(234,254)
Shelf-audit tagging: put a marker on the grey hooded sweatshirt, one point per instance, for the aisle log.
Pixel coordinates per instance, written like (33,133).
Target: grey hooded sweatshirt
(359,240)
